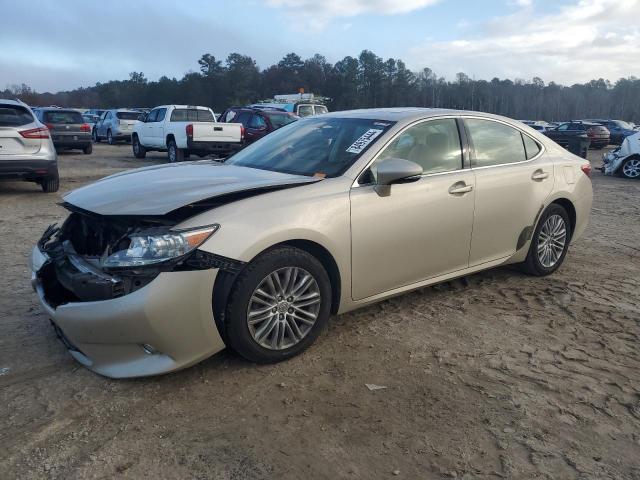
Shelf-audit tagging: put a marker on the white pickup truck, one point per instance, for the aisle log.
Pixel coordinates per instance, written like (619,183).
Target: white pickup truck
(181,130)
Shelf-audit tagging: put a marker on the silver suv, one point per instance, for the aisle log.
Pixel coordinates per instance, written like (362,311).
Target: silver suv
(26,149)
(114,125)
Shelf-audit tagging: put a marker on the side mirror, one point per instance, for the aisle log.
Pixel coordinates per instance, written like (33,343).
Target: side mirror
(394,170)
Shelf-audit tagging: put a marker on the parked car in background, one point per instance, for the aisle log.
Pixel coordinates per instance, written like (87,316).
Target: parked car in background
(595,135)
(90,119)
(618,129)
(26,150)
(115,125)
(258,122)
(68,129)
(300,104)
(157,269)
(95,111)
(624,160)
(181,130)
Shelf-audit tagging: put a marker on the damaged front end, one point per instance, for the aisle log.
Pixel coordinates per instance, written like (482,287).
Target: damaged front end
(95,257)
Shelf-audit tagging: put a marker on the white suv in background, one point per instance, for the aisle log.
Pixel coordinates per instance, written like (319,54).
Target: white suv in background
(26,150)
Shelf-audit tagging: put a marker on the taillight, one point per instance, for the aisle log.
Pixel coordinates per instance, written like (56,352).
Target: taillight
(591,132)
(50,126)
(586,168)
(42,132)
(241,132)
(85,127)
(189,130)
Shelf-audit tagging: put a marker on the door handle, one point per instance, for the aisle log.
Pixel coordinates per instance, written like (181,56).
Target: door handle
(460,188)
(539,175)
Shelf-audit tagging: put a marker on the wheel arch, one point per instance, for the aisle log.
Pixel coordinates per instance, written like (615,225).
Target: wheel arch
(569,208)
(170,136)
(225,279)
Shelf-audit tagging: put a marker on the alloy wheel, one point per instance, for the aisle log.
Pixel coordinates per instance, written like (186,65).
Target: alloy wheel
(552,239)
(283,308)
(631,168)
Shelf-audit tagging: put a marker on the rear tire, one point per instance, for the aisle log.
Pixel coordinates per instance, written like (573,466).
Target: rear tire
(549,244)
(257,343)
(88,149)
(138,150)
(174,153)
(50,184)
(110,139)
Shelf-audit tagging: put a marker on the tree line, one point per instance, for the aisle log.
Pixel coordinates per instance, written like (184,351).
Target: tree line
(364,82)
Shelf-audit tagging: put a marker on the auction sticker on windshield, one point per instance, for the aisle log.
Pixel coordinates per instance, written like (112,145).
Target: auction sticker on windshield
(361,143)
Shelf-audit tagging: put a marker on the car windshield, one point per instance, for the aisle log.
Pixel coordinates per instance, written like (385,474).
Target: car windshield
(318,146)
(128,115)
(191,115)
(281,119)
(67,117)
(14,116)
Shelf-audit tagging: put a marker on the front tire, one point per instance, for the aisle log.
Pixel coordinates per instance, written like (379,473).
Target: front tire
(631,168)
(138,150)
(174,153)
(110,139)
(549,243)
(94,136)
(278,306)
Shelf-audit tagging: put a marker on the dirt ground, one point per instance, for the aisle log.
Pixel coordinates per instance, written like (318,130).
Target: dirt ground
(496,375)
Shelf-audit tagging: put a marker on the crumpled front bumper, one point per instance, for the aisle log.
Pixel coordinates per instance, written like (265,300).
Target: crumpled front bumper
(164,326)
(611,163)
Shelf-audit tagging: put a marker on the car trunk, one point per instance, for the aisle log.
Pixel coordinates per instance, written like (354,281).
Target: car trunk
(12,143)
(126,120)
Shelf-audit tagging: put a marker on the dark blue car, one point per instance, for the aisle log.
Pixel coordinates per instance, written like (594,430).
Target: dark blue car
(619,129)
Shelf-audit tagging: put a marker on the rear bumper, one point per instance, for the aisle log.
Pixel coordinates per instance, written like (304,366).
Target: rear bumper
(221,148)
(69,142)
(164,326)
(27,169)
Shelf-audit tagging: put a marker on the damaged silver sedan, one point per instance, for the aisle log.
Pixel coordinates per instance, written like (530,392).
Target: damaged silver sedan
(158,268)
(624,160)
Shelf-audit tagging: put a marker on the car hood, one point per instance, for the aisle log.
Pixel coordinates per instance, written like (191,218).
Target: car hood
(161,189)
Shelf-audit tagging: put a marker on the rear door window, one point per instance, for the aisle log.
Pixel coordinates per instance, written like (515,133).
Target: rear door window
(320,109)
(495,143)
(63,117)
(257,122)
(243,118)
(14,116)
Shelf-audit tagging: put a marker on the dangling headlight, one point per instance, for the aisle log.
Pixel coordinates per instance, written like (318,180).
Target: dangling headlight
(152,248)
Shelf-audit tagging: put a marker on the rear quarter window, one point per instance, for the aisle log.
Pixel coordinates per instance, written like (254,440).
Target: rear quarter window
(14,116)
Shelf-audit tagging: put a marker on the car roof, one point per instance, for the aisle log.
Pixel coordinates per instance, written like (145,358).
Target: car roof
(7,101)
(409,113)
(199,107)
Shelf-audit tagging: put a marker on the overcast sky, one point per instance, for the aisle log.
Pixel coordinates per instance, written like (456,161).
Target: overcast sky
(63,44)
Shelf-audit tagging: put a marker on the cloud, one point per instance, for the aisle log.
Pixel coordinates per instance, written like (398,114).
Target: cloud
(318,13)
(590,38)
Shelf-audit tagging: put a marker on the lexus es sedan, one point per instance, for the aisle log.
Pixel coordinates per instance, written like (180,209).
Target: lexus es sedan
(156,269)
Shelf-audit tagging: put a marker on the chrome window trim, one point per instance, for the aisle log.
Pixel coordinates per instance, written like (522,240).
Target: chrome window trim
(515,127)
(400,132)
